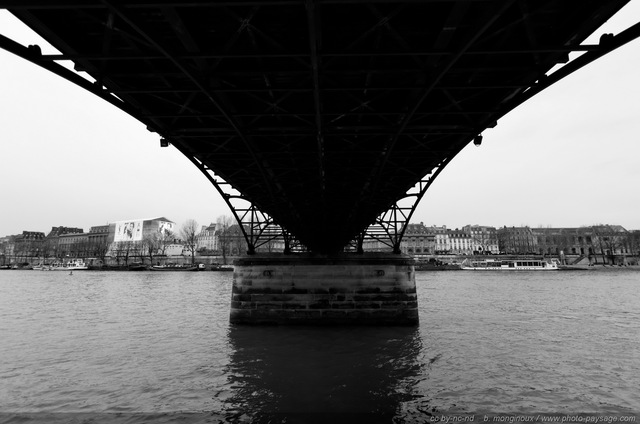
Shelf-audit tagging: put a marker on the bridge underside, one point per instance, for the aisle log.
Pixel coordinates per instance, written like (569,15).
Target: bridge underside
(319,121)
(321,114)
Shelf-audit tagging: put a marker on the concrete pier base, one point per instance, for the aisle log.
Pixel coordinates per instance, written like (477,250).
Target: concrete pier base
(347,289)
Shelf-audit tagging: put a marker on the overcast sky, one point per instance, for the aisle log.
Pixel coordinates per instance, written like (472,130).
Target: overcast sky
(568,157)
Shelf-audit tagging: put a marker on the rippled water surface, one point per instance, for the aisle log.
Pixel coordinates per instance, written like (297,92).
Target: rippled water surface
(140,347)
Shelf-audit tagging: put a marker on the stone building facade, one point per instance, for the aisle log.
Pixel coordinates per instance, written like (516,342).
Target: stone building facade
(207,239)
(598,243)
(484,239)
(460,242)
(595,244)
(517,241)
(27,245)
(417,240)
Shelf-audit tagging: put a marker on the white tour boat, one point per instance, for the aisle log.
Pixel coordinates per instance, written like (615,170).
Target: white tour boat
(510,265)
(72,265)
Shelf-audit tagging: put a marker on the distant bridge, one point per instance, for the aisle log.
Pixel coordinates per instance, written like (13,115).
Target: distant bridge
(321,122)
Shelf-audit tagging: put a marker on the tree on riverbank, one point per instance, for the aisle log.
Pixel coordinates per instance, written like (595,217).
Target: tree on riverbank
(611,239)
(223,226)
(189,233)
(100,249)
(151,243)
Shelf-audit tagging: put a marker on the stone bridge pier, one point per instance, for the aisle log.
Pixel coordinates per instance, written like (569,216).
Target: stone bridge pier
(345,289)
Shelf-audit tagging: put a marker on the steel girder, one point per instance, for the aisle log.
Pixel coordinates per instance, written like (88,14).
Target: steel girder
(321,114)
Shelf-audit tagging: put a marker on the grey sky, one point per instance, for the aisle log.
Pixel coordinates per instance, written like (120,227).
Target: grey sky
(568,157)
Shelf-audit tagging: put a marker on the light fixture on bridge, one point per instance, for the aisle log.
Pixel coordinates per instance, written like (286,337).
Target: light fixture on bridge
(164,142)
(477,140)
(34,50)
(605,40)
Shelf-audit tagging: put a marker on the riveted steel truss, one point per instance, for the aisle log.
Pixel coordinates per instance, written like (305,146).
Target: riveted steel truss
(389,228)
(321,117)
(260,231)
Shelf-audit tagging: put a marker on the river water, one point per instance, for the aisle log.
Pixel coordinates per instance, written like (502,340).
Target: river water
(143,347)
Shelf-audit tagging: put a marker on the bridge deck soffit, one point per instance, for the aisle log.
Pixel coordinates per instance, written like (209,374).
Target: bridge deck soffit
(323,114)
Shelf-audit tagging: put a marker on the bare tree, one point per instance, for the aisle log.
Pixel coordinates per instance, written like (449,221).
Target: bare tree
(634,242)
(151,244)
(611,240)
(127,250)
(223,224)
(4,250)
(123,250)
(100,248)
(139,250)
(165,238)
(188,233)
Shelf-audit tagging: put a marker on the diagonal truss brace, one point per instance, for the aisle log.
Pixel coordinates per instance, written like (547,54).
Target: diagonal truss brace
(258,228)
(390,226)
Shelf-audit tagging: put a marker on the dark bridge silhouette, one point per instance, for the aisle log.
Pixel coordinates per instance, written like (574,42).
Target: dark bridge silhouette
(321,122)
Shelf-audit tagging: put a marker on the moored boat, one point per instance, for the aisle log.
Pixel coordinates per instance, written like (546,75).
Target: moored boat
(71,265)
(137,266)
(223,268)
(177,267)
(510,265)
